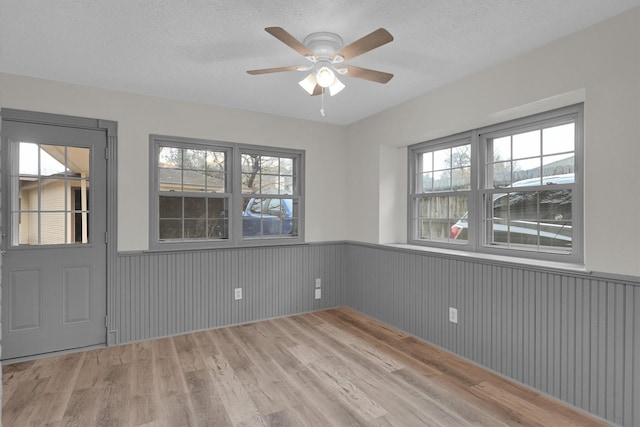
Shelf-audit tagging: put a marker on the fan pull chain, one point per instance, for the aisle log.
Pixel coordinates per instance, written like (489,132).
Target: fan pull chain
(322,106)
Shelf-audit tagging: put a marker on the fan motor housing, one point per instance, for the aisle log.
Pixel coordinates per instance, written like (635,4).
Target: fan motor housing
(323,44)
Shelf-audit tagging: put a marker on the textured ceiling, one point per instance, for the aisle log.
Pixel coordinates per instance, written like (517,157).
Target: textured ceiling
(199,50)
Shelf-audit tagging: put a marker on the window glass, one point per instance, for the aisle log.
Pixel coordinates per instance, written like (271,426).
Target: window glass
(527,195)
(52,206)
(265,178)
(217,224)
(194,200)
(185,176)
(443,179)
(536,218)
(267,174)
(269,217)
(531,219)
(438,215)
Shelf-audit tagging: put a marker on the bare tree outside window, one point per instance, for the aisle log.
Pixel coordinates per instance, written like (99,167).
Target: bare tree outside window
(195,198)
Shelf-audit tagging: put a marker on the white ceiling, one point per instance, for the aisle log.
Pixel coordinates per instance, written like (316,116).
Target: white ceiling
(199,50)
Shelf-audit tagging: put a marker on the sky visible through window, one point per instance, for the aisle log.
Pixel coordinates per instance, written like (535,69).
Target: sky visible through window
(29,161)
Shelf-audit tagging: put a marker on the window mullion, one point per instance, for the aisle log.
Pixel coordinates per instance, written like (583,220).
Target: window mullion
(235,217)
(477,178)
(195,181)
(525,194)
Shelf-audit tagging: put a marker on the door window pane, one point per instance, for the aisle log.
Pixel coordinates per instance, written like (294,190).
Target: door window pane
(50,204)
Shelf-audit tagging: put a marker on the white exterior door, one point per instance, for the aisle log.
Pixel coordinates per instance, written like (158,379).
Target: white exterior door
(54,225)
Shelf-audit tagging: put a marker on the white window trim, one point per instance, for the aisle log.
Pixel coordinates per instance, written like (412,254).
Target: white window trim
(478,139)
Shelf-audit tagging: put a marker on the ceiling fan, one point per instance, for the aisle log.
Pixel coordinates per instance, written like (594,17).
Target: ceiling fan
(327,57)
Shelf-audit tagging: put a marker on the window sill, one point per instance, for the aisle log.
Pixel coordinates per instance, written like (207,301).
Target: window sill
(524,262)
(222,245)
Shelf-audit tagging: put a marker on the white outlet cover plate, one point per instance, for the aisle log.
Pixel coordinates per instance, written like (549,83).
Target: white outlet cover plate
(318,282)
(238,293)
(318,293)
(453,315)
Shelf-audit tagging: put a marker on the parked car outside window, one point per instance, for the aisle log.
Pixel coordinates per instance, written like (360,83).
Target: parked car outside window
(267,217)
(529,217)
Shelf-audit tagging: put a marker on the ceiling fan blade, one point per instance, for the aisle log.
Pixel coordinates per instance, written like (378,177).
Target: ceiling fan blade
(290,41)
(367,74)
(363,45)
(317,90)
(273,70)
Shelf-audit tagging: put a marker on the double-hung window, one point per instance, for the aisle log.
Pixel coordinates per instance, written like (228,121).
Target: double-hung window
(193,191)
(212,194)
(442,188)
(514,188)
(270,200)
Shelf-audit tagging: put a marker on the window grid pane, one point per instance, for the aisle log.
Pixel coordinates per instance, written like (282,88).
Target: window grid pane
(442,218)
(267,174)
(269,217)
(192,218)
(524,198)
(443,180)
(186,175)
(531,219)
(192,170)
(534,220)
(51,205)
(265,213)
(195,199)
(545,152)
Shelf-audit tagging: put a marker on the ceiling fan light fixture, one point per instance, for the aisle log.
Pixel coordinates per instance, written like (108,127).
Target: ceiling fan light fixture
(336,87)
(325,77)
(308,83)
(328,58)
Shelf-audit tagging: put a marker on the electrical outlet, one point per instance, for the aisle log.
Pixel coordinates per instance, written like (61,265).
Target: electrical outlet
(238,293)
(318,293)
(453,315)
(318,282)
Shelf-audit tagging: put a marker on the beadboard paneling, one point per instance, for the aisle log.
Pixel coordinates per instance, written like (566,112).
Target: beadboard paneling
(573,336)
(160,294)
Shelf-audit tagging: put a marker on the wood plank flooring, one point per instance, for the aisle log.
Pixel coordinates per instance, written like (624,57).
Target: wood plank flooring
(328,368)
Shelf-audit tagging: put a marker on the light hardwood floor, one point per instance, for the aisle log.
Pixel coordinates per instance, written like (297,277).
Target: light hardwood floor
(334,367)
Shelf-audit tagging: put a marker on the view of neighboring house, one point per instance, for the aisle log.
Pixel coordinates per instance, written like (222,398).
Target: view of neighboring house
(54,198)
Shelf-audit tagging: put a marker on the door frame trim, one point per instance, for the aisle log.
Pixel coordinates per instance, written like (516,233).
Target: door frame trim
(110,128)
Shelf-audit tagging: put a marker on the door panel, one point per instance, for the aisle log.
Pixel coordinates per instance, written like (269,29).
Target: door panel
(76,294)
(25,291)
(54,213)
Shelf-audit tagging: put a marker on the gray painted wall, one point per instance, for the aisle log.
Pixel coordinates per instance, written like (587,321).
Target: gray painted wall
(573,336)
(159,294)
